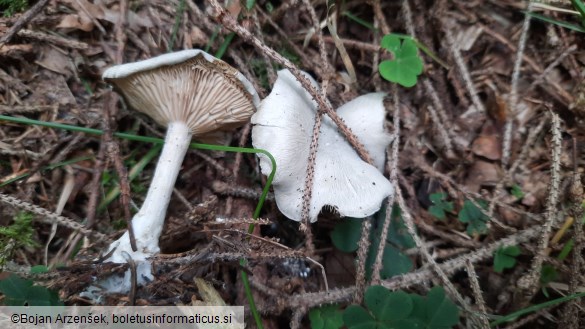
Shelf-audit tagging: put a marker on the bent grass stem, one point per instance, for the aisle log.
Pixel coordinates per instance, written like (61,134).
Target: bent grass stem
(154,140)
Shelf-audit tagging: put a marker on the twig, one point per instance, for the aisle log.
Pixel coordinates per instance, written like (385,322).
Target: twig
(513,99)
(22,21)
(308,189)
(463,70)
(362,256)
(54,39)
(11,109)
(529,282)
(417,277)
(442,132)
(547,71)
(529,318)
(379,13)
(298,315)
(571,315)
(437,112)
(113,152)
(477,295)
(49,217)
(133,278)
(306,60)
(408,221)
(269,68)
(307,192)
(238,191)
(120,30)
(392,154)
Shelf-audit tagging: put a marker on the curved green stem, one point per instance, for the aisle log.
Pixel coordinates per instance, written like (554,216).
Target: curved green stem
(153,140)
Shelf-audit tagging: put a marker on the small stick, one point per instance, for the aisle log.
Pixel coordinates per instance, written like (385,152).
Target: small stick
(392,155)
(529,282)
(49,217)
(477,294)
(22,21)
(133,278)
(513,100)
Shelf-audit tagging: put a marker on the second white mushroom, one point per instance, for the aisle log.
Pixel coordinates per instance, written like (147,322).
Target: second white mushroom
(283,126)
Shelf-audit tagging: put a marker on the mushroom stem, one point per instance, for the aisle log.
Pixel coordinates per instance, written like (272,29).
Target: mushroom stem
(148,222)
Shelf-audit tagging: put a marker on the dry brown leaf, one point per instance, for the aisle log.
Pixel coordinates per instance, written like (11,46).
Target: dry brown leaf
(208,293)
(197,36)
(487,146)
(56,61)
(10,50)
(482,173)
(135,21)
(76,22)
(87,12)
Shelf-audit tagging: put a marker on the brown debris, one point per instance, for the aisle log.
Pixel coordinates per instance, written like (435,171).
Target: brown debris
(451,141)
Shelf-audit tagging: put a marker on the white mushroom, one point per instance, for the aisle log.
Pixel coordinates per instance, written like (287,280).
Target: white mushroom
(283,126)
(191,93)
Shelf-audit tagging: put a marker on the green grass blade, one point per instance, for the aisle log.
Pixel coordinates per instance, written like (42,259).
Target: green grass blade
(580,7)
(250,4)
(178,20)
(224,46)
(535,308)
(132,174)
(358,20)
(566,25)
(49,167)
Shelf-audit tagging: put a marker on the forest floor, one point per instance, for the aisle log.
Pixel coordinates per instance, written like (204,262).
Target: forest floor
(488,158)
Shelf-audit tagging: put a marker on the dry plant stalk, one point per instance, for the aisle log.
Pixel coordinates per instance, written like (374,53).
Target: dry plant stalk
(438,115)
(419,276)
(392,155)
(409,222)
(513,100)
(22,21)
(463,70)
(529,282)
(573,308)
(50,217)
(477,294)
(306,227)
(362,256)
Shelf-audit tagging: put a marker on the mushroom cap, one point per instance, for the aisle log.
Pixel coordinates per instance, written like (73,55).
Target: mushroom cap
(189,86)
(283,125)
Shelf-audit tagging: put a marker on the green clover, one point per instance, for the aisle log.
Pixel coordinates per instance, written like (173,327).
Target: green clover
(406,65)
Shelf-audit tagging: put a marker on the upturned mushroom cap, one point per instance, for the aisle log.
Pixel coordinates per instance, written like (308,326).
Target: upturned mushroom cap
(283,125)
(189,86)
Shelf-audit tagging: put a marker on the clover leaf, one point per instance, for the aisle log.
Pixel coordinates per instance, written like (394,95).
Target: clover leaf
(21,292)
(385,309)
(346,234)
(394,262)
(400,310)
(516,191)
(326,317)
(476,220)
(440,206)
(435,311)
(505,257)
(406,65)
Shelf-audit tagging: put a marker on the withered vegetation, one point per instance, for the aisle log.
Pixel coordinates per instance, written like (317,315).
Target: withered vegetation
(507,114)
